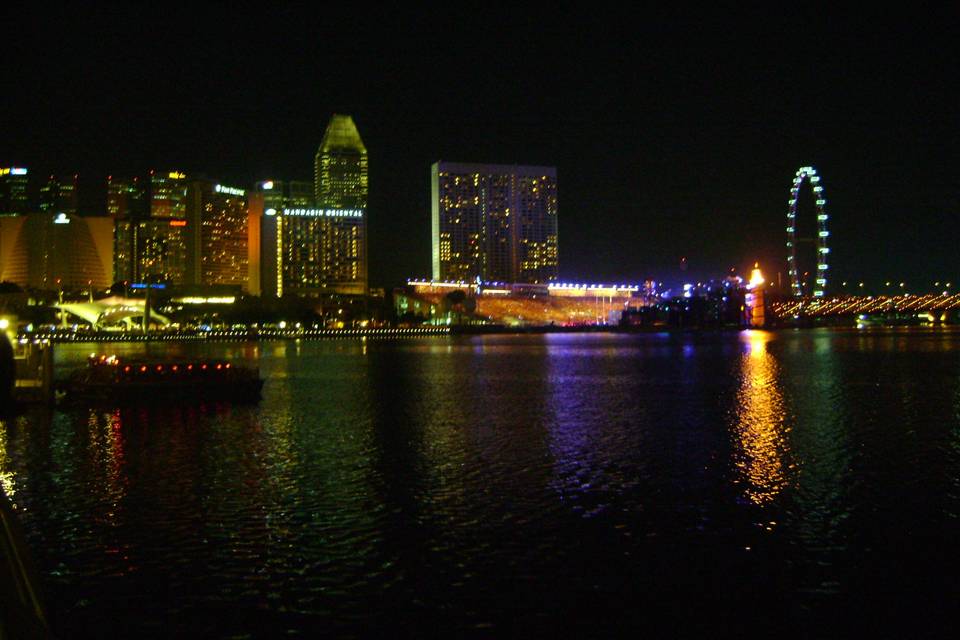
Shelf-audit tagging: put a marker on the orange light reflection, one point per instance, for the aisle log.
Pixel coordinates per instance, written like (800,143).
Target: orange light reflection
(760,425)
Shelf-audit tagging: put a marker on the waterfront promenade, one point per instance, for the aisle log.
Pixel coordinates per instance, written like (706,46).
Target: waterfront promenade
(227,335)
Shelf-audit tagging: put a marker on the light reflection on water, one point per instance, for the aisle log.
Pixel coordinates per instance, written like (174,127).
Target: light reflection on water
(761,418)
(527,484)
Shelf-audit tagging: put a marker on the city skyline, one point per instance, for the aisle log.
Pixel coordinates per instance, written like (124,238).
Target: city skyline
(689,152)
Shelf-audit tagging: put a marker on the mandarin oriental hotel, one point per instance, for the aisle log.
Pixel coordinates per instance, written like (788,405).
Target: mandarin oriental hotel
(310,251)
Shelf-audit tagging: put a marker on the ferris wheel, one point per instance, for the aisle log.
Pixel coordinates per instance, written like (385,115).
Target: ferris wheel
(808,174)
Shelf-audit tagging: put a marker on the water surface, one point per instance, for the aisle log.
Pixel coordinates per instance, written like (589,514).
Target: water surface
(800,483)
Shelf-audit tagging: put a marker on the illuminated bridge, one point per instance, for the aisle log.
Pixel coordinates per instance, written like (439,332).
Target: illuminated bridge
(813,307)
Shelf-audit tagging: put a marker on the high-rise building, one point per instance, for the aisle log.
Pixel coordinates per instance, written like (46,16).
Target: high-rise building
(126,206)
(162,245)
(217,233)
(151,237)
(14,197)
(302,256)
(494,222)
(298,193)
(124,198)
(340,183)
(266,205)
(312,236)
(59,195)
(168,194)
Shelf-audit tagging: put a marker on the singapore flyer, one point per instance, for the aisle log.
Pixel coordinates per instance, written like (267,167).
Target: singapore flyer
(797,284)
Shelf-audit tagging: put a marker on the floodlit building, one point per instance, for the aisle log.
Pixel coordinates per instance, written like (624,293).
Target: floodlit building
(49,251)
(494,222)
(340,184)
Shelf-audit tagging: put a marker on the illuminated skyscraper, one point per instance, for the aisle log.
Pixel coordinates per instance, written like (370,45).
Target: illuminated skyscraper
(217,234)
(150,239)
(495,222)
(13,191)
(267,203)
(162,243)
(340,183)
(168,195)
(125,206)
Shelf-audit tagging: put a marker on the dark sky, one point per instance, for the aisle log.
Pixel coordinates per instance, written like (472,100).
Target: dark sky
(674,134)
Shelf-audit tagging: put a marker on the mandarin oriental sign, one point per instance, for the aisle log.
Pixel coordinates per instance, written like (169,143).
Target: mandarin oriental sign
(324,213)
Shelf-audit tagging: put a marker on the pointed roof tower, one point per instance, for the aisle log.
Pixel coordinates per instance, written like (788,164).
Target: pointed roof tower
(341,135)
(340,167)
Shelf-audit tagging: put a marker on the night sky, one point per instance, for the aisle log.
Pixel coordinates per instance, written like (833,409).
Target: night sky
(673,134)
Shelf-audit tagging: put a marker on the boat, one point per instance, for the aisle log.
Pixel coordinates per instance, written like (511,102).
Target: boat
(142,379)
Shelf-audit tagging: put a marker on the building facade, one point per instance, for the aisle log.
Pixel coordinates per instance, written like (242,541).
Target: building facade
(49,251)
(59,195)
(125,206)
(309,238)
(266,204)
(494,222)
(217,233)
(150,233)
(306,263)
(340,184)
(14,194)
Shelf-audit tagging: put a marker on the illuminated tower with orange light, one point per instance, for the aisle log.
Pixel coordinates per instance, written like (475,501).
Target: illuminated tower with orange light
(754,308)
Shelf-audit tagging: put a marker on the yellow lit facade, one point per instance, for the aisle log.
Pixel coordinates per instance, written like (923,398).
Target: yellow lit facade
(495,222)
(282,246)
(339,263)
(47,251)
(218,231)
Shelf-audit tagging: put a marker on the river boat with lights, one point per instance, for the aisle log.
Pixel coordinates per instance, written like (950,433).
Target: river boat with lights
(119,379)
